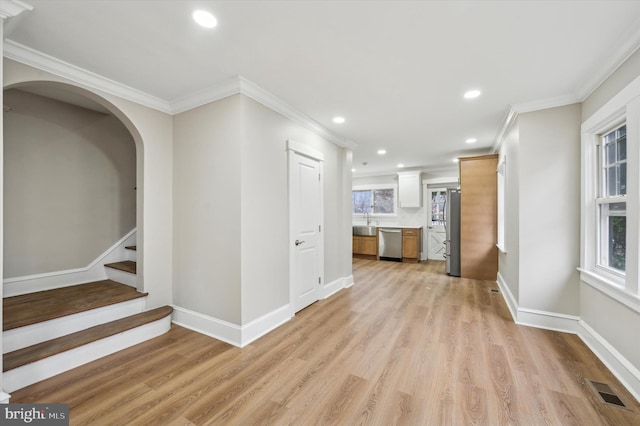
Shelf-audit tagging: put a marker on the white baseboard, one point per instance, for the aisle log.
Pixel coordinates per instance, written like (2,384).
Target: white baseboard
(208,325)
(4,398)
(228,332)
(508,297)
(241,336)
(22,337)
(621,367)
(32,373)
(93,272)
(548,320)
(335,286)
(624,370)
(263,325)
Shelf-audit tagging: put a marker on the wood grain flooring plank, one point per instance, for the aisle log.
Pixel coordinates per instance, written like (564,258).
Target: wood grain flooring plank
(406,345)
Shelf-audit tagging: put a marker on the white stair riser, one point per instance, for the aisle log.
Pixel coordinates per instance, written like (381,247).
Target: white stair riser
(122,277)
(30,335)
(29,374)
(132,255)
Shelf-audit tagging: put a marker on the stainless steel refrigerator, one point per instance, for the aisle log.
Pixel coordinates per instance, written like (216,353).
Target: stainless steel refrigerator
(452,227)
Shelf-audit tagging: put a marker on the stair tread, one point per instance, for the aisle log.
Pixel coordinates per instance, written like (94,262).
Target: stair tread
(131,247)
(52,347)
(125,265)
(32,308)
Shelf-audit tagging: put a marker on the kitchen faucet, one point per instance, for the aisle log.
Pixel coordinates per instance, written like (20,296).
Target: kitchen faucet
(368,217)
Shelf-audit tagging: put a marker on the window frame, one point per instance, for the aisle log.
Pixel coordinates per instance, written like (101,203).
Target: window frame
(374,187)
(622,108)
(603,198)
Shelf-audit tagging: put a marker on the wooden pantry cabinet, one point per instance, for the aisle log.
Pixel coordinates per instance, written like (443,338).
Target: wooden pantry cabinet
(478,217)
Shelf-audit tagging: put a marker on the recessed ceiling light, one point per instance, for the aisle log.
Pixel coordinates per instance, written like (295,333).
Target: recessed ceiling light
(400,166)
(338,120)
(455,160)
(205,19)
(471,94)
(471,140)
(353,170)
(382,151)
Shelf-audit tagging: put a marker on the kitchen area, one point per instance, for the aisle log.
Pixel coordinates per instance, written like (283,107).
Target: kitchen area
(416,216)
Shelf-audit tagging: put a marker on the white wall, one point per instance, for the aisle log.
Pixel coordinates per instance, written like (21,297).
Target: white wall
(70,175)
(152,133)
(207,209)
(265,222)
(231,209)
(614,324)
(549,209)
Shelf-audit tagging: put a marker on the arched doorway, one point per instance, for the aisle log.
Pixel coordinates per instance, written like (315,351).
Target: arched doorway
(127,206)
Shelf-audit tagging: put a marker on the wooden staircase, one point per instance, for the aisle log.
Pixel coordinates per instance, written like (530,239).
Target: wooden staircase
(49,332)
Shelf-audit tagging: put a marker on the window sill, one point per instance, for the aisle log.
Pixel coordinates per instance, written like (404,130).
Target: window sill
(610,288)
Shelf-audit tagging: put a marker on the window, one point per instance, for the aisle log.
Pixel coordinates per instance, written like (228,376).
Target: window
(612,206)
(438,207)
(374,201)
(610,212)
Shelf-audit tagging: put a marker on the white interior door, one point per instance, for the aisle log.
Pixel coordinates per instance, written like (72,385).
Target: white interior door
(306,220)
(436,233)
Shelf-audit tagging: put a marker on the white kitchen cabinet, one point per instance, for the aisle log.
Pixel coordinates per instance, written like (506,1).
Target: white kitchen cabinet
(409,189)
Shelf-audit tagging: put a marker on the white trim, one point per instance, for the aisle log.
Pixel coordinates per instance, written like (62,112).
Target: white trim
(4,398)
(271,101)
(236,85)
(95,271)
(82,77)
(611,289)
(22,337)
(508,297)
(534,317)
(65,361)
(228,332)
(122,277)
(335,286)
(208,325)
(626,46)
(624,106)
(215,93)
(11,8)
(305,150)
(265,324)
(548,320)
(622,368)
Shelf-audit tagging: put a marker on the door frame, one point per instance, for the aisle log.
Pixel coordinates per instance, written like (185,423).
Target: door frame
(427,185)
(304,150)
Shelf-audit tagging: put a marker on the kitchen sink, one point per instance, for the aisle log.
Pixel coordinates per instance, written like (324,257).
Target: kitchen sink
(363,230)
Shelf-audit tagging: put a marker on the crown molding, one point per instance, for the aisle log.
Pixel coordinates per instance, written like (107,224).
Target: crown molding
(11,8)
(232,86)
(515,110)
(626,46)
(23,54)
(215,93)
(240,85)
(278,105)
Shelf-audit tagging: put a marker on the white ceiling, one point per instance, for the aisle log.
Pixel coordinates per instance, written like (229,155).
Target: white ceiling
(396,70)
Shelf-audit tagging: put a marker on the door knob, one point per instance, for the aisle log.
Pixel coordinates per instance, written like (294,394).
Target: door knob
(298,242)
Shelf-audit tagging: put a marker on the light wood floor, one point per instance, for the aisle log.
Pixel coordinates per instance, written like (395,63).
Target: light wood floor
(405,345)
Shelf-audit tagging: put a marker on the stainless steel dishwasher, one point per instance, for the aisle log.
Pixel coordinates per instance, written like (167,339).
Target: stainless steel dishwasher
(390,244)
